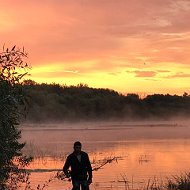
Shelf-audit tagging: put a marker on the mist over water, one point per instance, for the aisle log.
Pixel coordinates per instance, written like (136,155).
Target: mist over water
(146,150)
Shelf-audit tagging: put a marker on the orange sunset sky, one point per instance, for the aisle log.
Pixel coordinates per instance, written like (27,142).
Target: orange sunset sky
(139,46)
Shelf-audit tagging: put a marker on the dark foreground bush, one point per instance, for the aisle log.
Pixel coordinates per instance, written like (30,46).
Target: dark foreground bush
(12,161)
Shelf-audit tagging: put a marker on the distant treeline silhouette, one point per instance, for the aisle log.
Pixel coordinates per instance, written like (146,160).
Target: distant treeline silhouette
(53,102)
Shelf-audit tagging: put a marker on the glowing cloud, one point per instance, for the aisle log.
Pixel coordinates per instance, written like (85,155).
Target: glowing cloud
(97,41)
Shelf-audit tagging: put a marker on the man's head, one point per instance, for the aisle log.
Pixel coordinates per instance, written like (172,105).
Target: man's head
(77,147)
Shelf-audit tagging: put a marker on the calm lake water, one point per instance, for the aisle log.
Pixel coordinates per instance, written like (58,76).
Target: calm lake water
(150,151)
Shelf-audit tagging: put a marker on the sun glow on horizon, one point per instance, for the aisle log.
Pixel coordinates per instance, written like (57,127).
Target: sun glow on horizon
(124,81)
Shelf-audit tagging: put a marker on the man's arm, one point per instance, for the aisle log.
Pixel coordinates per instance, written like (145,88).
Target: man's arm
(89,169)
(66,167)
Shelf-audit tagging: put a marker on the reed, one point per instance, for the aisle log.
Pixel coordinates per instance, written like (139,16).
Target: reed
(179,182)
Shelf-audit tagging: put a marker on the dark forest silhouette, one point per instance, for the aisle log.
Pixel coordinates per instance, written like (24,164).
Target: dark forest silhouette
(53,102)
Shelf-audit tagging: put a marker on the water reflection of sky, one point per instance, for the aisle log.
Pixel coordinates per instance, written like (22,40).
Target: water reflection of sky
(146,151)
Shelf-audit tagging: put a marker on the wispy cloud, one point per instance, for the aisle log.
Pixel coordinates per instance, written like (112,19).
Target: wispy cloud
(178,75)
(162,71)
(144,73)
(56,74)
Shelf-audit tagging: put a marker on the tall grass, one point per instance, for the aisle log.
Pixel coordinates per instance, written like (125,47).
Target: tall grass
(179,182)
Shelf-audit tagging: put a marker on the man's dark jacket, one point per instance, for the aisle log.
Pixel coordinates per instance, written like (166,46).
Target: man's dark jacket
(79,170)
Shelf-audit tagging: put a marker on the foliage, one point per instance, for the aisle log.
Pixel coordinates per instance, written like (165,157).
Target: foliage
(12,161)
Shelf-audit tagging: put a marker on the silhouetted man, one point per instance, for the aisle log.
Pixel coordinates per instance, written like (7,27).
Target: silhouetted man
(81,170)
